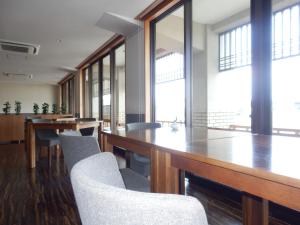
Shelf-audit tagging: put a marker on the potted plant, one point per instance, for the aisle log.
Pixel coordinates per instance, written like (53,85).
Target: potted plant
(45,108)
(54,109)
(6,109)
(36,108)
(63,109)
(18,107)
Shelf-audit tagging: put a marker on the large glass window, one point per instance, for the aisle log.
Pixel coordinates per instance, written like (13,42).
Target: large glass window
(86,92)
(235,48)
(285,67)
(71,96)
(120,86)
(221,70)
(169,75)
(106,91)
(95,90)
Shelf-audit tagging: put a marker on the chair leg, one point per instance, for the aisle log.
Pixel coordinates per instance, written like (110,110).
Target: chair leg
(49,156)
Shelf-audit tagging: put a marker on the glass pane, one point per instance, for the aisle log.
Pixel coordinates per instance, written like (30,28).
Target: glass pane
(95,90)
(120,85)
(169,69)
(221,72)
(106,98)
(285,67)
(86,93)
(67,97)
(71,96)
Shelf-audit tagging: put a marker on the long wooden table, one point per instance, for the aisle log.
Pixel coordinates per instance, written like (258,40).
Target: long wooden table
(263,168)
(55,125)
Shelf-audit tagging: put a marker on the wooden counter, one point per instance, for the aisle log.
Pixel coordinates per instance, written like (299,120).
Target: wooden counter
(12,127)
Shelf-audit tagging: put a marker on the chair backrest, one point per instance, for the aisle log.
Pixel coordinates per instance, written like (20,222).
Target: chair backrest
(141,126)
(87,131)
(101,198)
(42,134)
(76,147)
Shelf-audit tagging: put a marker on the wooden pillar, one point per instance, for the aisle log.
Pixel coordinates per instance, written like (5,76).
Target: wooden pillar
(164,177)
(255,210)
(261,22)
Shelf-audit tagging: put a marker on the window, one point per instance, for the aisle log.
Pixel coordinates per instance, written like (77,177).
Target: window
(169,73)
(68,96)
(235,48)
(286,32)
(170,88)
(120,86)
(235,44)
(95,90)
(106,91)
(221,95)
(285,69)
(86,91)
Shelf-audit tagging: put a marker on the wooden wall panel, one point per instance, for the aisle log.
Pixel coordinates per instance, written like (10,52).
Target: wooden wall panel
(12,127)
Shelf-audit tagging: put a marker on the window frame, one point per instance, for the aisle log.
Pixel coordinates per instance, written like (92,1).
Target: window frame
(187,8)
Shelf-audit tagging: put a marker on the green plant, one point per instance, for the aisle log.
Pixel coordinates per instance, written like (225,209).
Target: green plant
(7,107)
(36,108)
(45,108)
(18,107)
(54,109)
(63,109)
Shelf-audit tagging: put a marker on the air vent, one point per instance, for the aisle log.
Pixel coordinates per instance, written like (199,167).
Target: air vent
(18,47)
(18,75)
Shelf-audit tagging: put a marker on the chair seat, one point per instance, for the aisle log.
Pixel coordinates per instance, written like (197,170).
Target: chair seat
(49,142)
(47,137)
(134,181)
(141,158)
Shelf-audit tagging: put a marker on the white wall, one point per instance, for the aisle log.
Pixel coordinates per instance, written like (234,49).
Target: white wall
(135,74)
(28,94)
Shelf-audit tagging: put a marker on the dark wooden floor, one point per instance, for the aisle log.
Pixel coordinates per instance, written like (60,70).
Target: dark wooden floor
(44,197)
(29,197)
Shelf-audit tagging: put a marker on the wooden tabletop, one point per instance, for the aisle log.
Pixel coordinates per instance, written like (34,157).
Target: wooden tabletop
(175,140)
(270,157)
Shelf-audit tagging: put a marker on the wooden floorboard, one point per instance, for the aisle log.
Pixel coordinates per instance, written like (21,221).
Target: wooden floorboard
(44,197)
(40,196)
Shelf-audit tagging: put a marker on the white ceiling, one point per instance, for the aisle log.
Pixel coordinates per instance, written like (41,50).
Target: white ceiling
(213,11)
(65,29)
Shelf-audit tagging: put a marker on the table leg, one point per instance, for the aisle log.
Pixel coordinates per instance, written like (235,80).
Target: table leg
(31,151)
(255,210)
(107,147)
(100,137)
(164,177)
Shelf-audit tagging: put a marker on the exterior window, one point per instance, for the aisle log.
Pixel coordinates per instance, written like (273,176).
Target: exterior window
(95,90)
(286,32)
(235,48)
(170,80)
(235,44)
(169,77)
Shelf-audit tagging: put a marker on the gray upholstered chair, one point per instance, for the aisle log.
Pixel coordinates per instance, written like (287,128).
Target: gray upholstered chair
(87,131)
(102,198)
(76,148)
(139,163)
(47,138)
